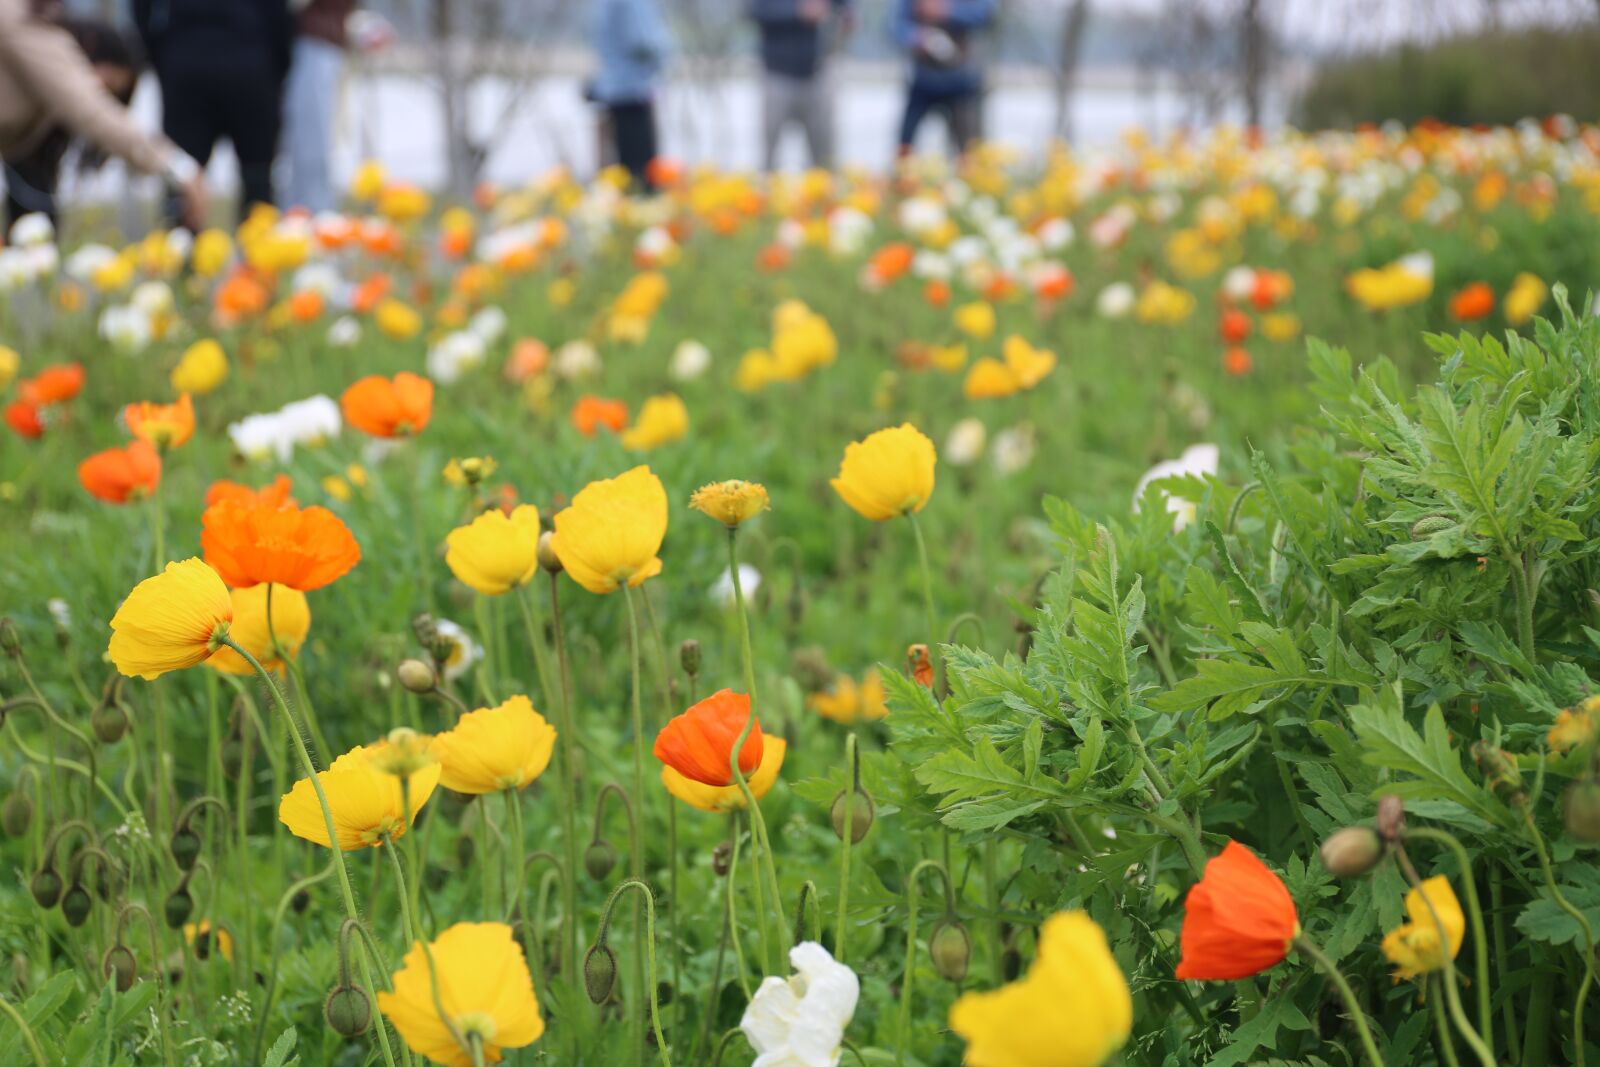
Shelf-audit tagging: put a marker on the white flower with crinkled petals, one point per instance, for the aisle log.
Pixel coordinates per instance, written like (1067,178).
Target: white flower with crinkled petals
(800,1021)
(965,444)
(33,228)
(1197,461)
(345,332)
(1115,300)
(462,652)
(577,359)
(86,262)
(488,325)
(126,327)
(454,355)
(690,360)
(722,592)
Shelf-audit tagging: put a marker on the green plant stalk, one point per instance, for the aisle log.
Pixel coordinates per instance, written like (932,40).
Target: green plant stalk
(27,1033)
(760,843)
(345,892)
(518,848)
(1441,1027)
(927,604)
(637,841)
(672,814)
(1475,912)
(491,655)
(903,1025)
(733,907)
(307,711)
(1348,995)
(1502,955)
(1536,1032)
(272,952)
(841,925)
(649,952)
(1452,995)
(1583,925)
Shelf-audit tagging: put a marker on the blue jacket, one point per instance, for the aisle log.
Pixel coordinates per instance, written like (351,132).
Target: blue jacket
(963,21)
(630,38)
(790,45)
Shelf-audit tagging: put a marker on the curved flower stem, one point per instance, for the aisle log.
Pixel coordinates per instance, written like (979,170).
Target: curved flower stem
(649,952)
(672,808)
(1479,937)
(1348,995)
(927,604)
(518,848)
(637,868)
(903,1029)
(722,1045)
(419,937)
(852,762)
(27,1032)
(1441,1026)
(760,843)
(1452,994)
(1583,926)
(43,704)
(284,903)
(89,772)
(733,909)
(712,993)
(157,972)
(310,770)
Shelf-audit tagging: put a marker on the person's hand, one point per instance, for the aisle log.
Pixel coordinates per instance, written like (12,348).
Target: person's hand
(813,10)
(195,202)
(932,10)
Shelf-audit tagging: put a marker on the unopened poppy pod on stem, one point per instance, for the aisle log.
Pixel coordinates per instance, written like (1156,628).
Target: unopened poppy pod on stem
(888,474)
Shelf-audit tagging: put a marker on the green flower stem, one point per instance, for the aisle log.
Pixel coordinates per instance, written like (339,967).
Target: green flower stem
(760,843)
(672,809)
(1452,994)
(1501,953)
(637,867)
(927,604)
(711,992)
(27,1032)
(852,779)
(91,771)
(310,770)
(162,991)
(282,655)
(1583,925)
(1441,1027)
(518,880)
(491,655)
(1479,937)
(284,903)
(736,836)
(903,1026)
(1348,995)
(649,952)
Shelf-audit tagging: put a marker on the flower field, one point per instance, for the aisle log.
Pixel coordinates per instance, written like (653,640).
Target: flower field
(1134,606)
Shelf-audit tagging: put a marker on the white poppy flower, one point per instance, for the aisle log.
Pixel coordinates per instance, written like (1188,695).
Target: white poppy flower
(965,444)
(722,589)
(690,360)
(33,228)
(488,325)
(344,332)
(577,359)
(1115,300)
(800,1021)
(1013,449)
(464,651)
(1198,461)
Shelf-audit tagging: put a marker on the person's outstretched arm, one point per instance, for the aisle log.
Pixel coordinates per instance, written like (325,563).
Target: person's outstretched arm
(970,14)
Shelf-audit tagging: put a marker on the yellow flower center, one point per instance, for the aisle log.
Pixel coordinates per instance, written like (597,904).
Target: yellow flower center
(476,1024)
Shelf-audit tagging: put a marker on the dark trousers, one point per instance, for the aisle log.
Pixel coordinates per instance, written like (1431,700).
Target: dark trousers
(31,187)
(961,110)
(633,135)
(204,102)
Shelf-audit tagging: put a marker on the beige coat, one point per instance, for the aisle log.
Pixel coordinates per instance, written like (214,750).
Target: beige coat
(45,82)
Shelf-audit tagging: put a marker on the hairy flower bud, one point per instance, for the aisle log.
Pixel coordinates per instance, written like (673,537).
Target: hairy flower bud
(689,657)
(177,908)
(599,859)
(76,904)
(119,965)
(16,814)
(1352,851)
(185,845)
(599,973)
(300,901)
(546,553)
(862,814)
(1391,822)
(46,887)
(109,722)
(722,859)
(1580,810)
(1429,525)
(10,642)
(1499,770)
(417,676)
(950,947)
(348,1010)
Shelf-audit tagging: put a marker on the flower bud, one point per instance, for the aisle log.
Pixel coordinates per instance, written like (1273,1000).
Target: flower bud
(1352,851)
(348,1011)
(76,904)
(300,901)
(417,676)
(548,560)
(599,859)
(1391,821)
(46,888)
(1580,809)
(950,947)
(599,973)
(689,657)
(119,965)
(10,642)
(811,670)
(1499,770)
(1429,525)
(109,722)
(185,847)
(862,813)
(177,908)
(16,814)
(721,859)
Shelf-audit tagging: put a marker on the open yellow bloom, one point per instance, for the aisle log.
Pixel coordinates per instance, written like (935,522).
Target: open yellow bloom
(1029,365)
(989,379)
(888,474)
(291,621)
(203,936)
(976,320)
(728,797)
(202,368)
(662,420)
(1415,947)
(397,319)
(171,621)
(610,534)
(1574,726)
(1072,1008)
(731,503)
(366,801)
(495,551)
(849,703)
(491,749)
(485,990)
(1523,300)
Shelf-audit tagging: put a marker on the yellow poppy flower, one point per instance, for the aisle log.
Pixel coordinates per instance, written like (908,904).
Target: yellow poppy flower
(1072,1008)
(491,749)
(485,990)
(731,503)
(9,362)
(729,798)
(203,936)
(662,420)
(757,369)
(989,379)
(495,551)
(397,320)
(173,620)
(874,701)
(1523,300)
(976,319)
(1573,726)
(291,621)
(1414,947)
(841,703)
(202,367)
(211,252)
(1029,365)
(366,801)
(610,534)
(888,474)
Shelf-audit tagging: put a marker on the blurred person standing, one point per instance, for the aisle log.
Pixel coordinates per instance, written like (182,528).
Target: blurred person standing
(221,65)
(946,73)
(631,41)
(62,78)
(794,85)
(325,31)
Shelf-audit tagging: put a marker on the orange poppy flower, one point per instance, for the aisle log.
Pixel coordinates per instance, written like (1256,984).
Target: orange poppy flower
(1236,362)
(272,496)
(1238,920)
(936,293)
(529,357)
(55,384)
(921,665)
(891,261)
(24,420)
(699,743)
(773,257)
(389,408)
(590,413)
(1234,326)
(306,305)
(241,296)
(369,293)
(119,475)
(664,173)
(162,425)
(302,548)
(1474,301)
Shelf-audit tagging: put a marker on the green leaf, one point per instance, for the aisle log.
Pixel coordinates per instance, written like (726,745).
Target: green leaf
(1278,1013)
(1434,765)
(279,1055)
